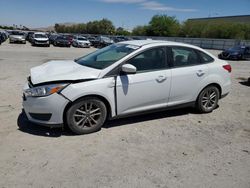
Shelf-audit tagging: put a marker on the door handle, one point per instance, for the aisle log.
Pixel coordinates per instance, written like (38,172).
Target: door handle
(200,73)
(161,78)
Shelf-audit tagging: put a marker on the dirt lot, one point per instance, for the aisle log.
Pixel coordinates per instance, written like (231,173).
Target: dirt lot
(178,148)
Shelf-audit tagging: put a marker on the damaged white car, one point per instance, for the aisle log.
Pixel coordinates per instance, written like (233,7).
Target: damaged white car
(124,79)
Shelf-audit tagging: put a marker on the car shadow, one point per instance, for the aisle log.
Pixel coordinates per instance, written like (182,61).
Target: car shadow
(149,116)
(34,129)
(246,82)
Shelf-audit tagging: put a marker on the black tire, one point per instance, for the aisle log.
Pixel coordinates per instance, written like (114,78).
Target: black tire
(81,120)
(208,99)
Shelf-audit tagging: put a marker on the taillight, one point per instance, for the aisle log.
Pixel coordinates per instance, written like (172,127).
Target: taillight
(228,68)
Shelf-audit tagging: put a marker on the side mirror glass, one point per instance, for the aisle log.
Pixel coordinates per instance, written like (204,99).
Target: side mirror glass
(128,69)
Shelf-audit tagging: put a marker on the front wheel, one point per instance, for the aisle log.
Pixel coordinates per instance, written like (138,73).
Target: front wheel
(86,115)
(208,99)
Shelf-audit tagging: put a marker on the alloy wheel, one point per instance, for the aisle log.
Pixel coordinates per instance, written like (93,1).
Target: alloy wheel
(209,99)
(87,115)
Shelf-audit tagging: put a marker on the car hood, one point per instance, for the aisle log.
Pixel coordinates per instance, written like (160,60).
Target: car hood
(62,71)
(41,39)
(83,41)
(17,36)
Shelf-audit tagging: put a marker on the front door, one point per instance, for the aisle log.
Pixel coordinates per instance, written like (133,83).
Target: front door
(147,89)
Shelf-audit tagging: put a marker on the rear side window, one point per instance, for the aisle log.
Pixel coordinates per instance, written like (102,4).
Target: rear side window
(205,58)
(183,56)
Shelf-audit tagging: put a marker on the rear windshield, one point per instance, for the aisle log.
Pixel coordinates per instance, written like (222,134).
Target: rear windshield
(40,36)
(105,57)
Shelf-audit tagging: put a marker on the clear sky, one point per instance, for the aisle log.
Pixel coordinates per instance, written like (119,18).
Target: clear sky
(124,13)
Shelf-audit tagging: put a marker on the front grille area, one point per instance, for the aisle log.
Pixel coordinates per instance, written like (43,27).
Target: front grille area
(41,42)
(41,117)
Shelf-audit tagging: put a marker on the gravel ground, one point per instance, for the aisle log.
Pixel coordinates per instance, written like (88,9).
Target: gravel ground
(177,148)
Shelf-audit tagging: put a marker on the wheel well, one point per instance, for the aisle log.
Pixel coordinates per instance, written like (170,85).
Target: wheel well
(212,84)
(109,112)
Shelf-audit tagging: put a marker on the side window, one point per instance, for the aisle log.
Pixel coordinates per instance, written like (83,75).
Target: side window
(247,50)
(184,57)
(150,60)
(205,58)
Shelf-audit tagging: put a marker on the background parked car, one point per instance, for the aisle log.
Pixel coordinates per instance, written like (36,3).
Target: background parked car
(92,40)
(79,41)
(69,37)
(236,53)
(29,36)
(120,38)
(3,36)
(62,41)
(102,42)
(17,37)
(52,38)
(40,39)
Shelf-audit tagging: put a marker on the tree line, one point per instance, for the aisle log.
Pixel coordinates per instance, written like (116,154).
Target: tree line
(165,26)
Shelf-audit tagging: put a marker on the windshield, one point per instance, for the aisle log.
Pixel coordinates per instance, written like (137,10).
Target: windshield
(17,33)
(237,48)
(81,38)
(62,38)
(105,57)
(106,39)
(40,36)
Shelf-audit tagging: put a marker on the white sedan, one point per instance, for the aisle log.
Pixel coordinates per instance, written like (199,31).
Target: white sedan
(80,41)
(124,79)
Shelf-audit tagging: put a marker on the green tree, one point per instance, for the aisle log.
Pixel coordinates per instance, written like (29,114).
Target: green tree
(163,25)
(122,31)
(106,27)
(140,31)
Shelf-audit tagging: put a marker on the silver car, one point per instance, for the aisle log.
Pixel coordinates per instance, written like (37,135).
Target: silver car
(80,41)
(17,37)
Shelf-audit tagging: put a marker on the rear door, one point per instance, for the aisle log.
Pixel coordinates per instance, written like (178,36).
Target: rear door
(188,74)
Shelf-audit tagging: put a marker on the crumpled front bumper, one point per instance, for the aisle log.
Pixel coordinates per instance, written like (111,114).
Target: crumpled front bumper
(45,110)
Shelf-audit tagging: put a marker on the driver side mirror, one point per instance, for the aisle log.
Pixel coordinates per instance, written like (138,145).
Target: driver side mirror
(128,69)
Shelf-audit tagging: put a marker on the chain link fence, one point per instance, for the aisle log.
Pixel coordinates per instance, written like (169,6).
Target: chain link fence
(217,44)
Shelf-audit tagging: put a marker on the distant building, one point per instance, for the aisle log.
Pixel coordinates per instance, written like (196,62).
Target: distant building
(234,19)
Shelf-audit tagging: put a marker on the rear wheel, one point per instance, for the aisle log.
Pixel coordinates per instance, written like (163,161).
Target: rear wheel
(86,115)
(208,99)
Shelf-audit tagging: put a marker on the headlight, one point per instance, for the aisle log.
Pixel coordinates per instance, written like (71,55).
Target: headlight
(43,91)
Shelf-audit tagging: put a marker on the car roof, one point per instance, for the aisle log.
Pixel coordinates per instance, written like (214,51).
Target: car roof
(40,33)
(155,42)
